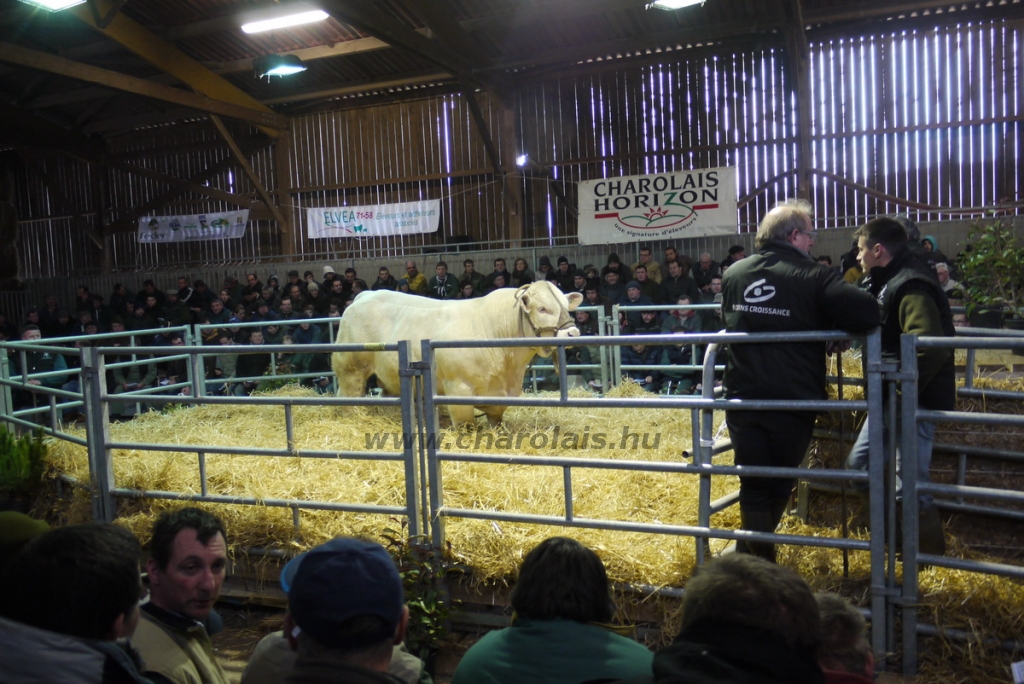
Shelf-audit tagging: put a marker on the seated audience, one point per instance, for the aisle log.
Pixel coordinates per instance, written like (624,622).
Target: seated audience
(560,629)
(186,572)
(521,274)
(345,623)
(470,275)
(71,597)
(744,620)
(648,262)
(845,654)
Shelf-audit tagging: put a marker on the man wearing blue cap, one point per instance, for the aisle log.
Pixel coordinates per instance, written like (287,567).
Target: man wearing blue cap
(346,620)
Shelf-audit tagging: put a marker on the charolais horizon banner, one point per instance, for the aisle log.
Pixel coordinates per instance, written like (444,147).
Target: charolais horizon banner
(658,206)
(213,226)
(374,220)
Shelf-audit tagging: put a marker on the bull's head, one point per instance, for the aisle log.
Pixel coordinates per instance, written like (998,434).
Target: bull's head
(548,311)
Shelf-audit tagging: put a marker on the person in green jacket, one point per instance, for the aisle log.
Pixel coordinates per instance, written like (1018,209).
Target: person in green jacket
(560,632)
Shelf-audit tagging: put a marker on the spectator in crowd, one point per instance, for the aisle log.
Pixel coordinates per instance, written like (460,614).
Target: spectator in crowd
(744,620)
(615,265)
(648,287)
(252,285)
(521,273)
(470,275)
(586,323)
(648,262)
(826,261)
(416,281)
(844,655)
(442,286)
(293,279)
(316,298)
(359,285)
(350,275)
(682,321)
(634,297)
(579,281)
(251,365)
(498,281)
(706,269)
(339,293)
(949,286)
(467,291)
(792,292)
(678,282)
(71,598)
(592,296)
(561,601)
(403,286)
(308,278)
(149,290)
(346,621)
(645,356)
(83,300)
(385,281)
(48,313)
(226,301)
(36,362)
(119,297)
(736,252)
(960,321)
(932,254)
(499,269)
(138,374)
(563,276)
(611,288)
(911,301)
(274,283)
(544,269)
(186,572)
(670,254)
(712,317)
(174,312)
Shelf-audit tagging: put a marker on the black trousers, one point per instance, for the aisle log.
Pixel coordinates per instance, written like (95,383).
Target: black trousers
(768,438)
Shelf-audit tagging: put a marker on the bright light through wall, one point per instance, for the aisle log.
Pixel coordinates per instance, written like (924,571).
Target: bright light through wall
(53,5)
(298,15)
(522,159)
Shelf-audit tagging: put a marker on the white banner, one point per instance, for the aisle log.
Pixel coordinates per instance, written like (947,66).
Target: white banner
(214,226)
(374,220)
(658,206)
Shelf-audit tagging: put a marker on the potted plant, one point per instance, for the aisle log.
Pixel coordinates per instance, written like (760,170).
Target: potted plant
(21,469)
(992,271)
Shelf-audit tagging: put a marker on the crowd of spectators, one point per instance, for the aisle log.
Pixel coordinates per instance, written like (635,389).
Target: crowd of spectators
(81,605)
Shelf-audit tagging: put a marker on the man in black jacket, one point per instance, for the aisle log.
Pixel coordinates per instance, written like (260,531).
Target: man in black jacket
(911,301)
(781,289)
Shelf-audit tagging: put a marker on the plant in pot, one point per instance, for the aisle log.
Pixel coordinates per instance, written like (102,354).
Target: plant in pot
(21,469)
(992,273)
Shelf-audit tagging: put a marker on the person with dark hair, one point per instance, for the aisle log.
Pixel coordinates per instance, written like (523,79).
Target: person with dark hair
(745,621)
(677,282)
(442,286)
(71,595)
(385,281)
(471,275)
(521,273)
(615,265)
(186,572)
(911,301)
(844,655)
(559,631)
(36,362)
(781,289)
(736,253)
(345,623)
(648,262)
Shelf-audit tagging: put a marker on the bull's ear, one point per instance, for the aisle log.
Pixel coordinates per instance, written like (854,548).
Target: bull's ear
(575,299)
(524,302)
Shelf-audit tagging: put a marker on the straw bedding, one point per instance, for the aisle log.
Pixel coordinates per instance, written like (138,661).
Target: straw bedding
(492,551)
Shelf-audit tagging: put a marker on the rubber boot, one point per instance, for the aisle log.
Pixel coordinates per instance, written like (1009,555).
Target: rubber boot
(757,521)
(932,539)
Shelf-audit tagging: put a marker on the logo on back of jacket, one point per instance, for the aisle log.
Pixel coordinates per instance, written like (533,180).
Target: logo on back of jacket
(755,295)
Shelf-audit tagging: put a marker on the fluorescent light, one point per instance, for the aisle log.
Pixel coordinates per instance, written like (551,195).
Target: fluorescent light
(53,5)
(299,16)
(278,65)
(675,4)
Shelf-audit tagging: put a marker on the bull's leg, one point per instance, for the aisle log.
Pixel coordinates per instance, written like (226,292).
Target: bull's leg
(352,370)
(462,415)
(494,414)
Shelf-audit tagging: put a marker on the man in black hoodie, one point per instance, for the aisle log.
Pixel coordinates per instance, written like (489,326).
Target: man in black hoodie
(911,301)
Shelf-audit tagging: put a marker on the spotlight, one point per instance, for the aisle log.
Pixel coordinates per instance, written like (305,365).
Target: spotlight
(53,5)
(675,4)
(522,160)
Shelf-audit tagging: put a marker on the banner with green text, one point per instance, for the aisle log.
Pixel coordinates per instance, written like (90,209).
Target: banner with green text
(658,206)
(374,220)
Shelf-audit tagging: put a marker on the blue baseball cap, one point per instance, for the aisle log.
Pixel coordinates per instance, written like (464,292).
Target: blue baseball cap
(339,580)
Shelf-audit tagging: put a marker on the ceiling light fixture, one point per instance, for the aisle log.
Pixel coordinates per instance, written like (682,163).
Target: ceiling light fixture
(278,65)
(674,4)
(282,17)
(53,5)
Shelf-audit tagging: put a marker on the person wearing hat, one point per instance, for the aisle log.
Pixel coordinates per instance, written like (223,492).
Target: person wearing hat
(346,621)
(544,269)
(174,311)
(563,277)
(592,297)
(634,297)
(327,269)
(293,277)
(615,265)
(318,299)
(403,286)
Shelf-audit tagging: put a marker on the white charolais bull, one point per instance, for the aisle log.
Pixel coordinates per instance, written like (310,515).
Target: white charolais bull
(536,310)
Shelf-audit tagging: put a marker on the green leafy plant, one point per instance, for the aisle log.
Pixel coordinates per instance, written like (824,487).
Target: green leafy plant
(21,462)
(992,269)
(422,571)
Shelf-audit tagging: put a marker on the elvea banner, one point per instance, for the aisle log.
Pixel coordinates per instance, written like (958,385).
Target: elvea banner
(376,220)
(213,226)
(658,206)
